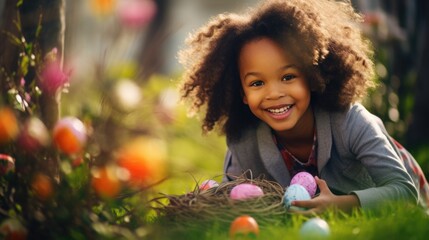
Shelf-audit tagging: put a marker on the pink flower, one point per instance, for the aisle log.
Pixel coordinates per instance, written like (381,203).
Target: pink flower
(53,78)
(136,13)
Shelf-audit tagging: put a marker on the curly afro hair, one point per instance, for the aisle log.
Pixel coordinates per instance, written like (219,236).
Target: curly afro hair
(322,35)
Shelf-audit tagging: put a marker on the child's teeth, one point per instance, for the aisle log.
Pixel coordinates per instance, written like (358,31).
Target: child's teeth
(279,110)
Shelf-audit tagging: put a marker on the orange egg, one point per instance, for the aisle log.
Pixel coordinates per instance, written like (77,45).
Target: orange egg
(8,125)
(144,158)
(243,226)
(69,135)
(105,182)
(42,186)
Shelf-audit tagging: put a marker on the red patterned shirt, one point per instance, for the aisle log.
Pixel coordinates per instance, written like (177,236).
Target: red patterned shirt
(293,164)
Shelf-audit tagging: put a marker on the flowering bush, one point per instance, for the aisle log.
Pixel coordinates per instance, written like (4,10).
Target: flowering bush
(87,176)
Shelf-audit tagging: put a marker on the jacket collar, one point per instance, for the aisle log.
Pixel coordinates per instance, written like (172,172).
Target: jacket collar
(271,156)
(324,137)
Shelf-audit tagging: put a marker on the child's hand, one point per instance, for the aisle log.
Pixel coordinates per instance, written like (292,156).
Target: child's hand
(325,200)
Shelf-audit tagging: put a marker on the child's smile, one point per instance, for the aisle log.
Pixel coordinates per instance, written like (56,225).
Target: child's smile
(274,87)
(280,112)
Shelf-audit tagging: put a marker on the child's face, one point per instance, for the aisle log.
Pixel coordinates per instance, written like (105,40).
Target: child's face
(274,88)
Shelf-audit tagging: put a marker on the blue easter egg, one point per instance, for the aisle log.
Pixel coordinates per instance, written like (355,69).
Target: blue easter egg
(295,192)
(315,228)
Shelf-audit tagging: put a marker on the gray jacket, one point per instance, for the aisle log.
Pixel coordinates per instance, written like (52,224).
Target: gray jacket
(354,155)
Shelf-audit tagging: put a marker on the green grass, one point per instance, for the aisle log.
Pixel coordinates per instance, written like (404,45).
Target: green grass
(394,221)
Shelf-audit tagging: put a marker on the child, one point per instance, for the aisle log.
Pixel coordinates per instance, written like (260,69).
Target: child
(283,83)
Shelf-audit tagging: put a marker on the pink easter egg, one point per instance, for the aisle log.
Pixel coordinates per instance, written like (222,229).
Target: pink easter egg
(207,184)
(244,191)
(137,13)
(306,180)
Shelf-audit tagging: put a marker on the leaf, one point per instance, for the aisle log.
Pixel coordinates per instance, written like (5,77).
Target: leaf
(39,26)
(19,3)
(17,22)
(24,65)
(29,48)
(13,39)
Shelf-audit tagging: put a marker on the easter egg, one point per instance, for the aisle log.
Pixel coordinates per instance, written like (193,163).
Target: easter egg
(42,186)
(207,184)
(105,181)
(136,13)
(295,192)
(144,158)
(315,228)
(69,135)
(244,191)
(7,164)
(306,180)
(8,125)
(243,226)
(34,135)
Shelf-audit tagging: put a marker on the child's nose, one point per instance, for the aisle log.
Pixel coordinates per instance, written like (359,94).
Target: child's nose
(275,91)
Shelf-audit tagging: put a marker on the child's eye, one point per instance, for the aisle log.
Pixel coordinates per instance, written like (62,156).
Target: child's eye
(288,77)
(256,83)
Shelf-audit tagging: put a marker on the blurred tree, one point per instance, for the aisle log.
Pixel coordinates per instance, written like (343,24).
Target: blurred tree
(151,53)
(418,130)
(49,15)
(399,33)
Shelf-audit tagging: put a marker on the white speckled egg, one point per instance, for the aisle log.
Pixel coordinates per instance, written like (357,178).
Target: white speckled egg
(295,192)
(306,180)
(315,228)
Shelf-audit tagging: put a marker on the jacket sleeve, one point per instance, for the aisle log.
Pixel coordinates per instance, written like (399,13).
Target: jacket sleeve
(370,143)
(231,167)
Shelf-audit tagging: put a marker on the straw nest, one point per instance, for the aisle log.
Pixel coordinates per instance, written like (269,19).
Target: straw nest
(215,204)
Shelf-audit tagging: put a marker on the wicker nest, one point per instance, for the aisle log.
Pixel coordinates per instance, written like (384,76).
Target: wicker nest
(215,204)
